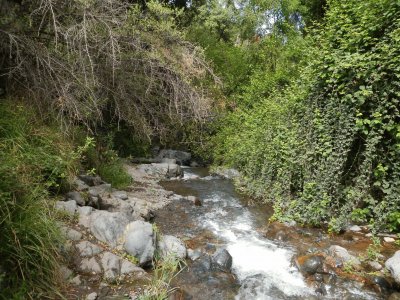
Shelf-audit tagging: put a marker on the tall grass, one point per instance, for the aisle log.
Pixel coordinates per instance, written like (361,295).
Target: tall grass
(34,159)
(165,270)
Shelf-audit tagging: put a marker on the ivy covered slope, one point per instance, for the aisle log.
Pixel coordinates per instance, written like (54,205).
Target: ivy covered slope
(327,148)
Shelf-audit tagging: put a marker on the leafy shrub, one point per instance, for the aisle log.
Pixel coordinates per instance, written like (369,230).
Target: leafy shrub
(325,148)
(115,173)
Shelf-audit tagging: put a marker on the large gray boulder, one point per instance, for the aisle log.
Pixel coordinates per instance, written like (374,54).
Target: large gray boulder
(140,241)
(108,226)
(172,246)
(162,170)
(393,265)
(222,260)
(182,157)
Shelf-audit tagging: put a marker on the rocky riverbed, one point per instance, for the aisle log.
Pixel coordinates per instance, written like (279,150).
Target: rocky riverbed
(231,251)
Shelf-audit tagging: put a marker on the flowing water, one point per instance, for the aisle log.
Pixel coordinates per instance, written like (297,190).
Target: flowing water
(263,267)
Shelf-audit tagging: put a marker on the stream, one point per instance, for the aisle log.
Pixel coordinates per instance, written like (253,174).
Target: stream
(263,268)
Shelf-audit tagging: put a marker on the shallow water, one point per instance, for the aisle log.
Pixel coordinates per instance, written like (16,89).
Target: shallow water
(224,220)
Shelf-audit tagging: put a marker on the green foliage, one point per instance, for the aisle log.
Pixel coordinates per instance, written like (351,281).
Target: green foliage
(34,159)
(115,173)
(323,143)
(373,250)
(100,158)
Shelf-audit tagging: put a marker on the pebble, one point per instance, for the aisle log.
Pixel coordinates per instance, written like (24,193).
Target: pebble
(91,296)
(355,228)
(375,265)
(76,280)
(388,239)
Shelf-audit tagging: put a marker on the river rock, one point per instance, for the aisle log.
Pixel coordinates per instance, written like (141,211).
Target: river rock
(69,207)
(85,210)
(257,287)
(120,194)
(74,195)
(162,170)
(96,191)
(183,158)
(140,241)
(310,264)
(108,226)
(389,239)
(90,265)
(203,265)
(84,213)
(193,254)
(172,246)
(111,266)
(222,260)
(381,282)
(393,265)
(127,267)
(113,204)
(87,249)
(91,296)
(91,180)
(79,185)
(343,255)
(73,234)
(374,265)
(355,228)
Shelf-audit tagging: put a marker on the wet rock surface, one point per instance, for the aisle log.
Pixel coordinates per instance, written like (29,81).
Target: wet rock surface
(222,260)
(140,241)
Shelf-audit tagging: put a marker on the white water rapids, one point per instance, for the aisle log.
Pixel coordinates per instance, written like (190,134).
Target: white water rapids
(263,267)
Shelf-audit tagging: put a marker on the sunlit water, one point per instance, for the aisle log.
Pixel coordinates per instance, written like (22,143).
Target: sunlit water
(253,255)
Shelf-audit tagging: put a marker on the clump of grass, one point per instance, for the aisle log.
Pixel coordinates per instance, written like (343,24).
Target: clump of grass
(114,172)
(35,160)
(165,270)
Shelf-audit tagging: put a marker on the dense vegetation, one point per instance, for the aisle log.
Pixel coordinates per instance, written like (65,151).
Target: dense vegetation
(305,103)
(321,142)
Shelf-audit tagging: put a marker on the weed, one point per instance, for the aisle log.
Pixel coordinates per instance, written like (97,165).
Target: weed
(165,270)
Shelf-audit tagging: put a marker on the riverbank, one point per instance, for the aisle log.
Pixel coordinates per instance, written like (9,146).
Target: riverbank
(204,214)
